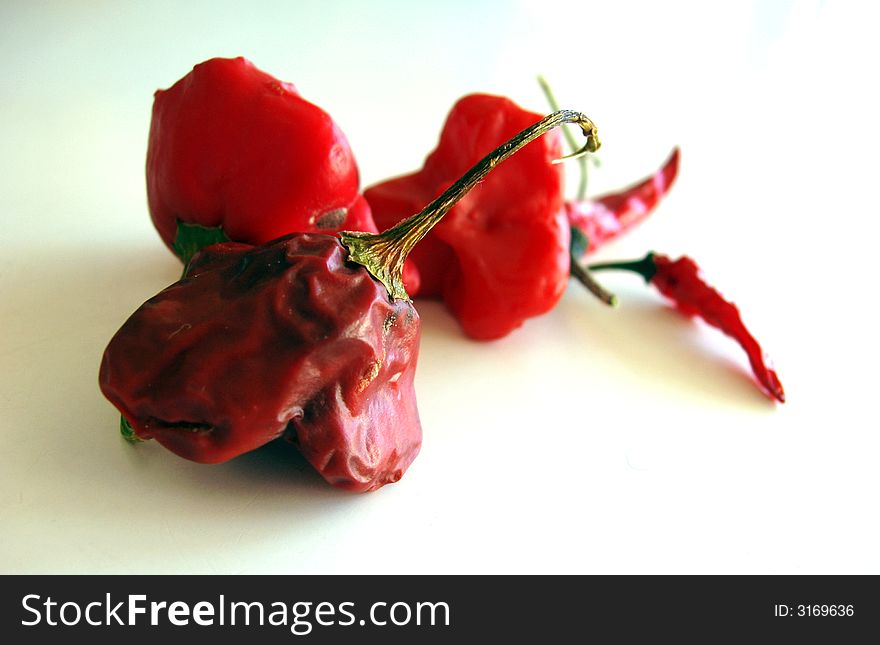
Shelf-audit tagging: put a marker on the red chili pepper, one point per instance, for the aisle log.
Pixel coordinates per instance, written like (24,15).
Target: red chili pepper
(312,337)
(682,282)
(237,152)
(600,219)
(502,255)
(604,218)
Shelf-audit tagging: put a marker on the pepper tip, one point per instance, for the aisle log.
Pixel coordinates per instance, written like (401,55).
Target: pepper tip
(773,385)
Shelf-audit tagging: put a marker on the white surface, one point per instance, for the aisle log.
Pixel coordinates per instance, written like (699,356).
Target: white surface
(590,440)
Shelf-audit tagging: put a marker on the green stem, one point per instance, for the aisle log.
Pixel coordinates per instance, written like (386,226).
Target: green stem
(645,267)
(383,254)
(580,272)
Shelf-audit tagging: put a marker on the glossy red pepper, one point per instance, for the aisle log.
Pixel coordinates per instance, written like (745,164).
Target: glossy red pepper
(502,255)
(601,219)
(682,282)
(236,154)
(310,336)
(514,218)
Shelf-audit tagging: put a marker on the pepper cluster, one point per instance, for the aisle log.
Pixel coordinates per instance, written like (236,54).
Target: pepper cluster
(505,254)
(293,316)
(283,325)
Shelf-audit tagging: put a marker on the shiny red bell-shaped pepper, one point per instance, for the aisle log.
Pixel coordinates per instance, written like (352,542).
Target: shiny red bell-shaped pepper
(235,154)
(501,256)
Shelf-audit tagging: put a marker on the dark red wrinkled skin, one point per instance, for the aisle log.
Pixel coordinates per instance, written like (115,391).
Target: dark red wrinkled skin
(681,281)
(234,147)
(286,339)
(608,216)
(501,255)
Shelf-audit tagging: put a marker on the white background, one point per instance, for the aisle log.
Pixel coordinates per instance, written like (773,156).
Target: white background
(589,441)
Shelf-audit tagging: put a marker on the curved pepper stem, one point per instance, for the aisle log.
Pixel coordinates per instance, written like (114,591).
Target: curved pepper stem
(569,138)
(383,254)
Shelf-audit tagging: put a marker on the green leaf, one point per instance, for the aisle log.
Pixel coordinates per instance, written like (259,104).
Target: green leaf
(192,238)
(127,431)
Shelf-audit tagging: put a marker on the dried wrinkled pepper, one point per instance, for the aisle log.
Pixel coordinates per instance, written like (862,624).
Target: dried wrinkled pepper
(310,337)
(235,154)
(682,282)
(285,339)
